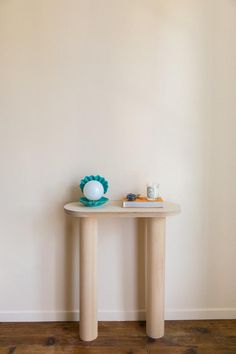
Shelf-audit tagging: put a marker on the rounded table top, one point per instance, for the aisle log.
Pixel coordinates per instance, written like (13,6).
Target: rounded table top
(115,209)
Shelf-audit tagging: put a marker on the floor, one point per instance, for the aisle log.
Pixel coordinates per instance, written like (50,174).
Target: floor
(181,337)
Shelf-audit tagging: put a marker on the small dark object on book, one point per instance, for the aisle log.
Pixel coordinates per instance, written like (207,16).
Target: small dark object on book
(131,197)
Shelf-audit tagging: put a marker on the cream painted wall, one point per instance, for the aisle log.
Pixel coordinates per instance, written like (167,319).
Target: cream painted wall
(137,91)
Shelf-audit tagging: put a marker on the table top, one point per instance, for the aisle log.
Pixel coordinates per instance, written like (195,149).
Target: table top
(115,209)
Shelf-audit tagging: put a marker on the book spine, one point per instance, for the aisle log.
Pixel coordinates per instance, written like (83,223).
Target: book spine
(142,205)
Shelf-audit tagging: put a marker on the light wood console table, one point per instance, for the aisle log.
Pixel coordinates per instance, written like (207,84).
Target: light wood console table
(155,218)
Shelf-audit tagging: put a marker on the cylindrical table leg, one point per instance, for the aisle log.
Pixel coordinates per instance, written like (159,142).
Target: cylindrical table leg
(88,286)
(155,277)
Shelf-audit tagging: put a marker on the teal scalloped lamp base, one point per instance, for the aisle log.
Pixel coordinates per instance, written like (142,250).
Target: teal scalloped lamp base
(93,203)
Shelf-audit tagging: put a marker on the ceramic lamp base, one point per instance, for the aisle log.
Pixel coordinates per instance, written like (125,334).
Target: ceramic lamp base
(93,203)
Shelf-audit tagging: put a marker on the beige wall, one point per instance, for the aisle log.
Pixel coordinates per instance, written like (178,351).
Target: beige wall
(137,91)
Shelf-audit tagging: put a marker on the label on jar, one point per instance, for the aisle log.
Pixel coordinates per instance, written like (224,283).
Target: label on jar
(152,191)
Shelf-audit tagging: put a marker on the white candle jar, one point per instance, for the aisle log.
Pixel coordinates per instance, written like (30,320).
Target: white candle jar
(152,191)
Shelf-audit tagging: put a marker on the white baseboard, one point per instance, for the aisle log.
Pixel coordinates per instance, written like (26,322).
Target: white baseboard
(135,315)
(201,314)
(38,316)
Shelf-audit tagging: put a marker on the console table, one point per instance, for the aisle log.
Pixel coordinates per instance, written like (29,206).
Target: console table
(155,218)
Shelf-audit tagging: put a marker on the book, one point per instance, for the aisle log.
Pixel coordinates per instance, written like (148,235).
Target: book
(143,202)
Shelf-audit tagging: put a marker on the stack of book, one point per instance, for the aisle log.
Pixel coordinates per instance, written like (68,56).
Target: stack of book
(143,202)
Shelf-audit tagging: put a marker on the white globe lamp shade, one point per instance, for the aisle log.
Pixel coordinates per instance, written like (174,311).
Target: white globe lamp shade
(93,190)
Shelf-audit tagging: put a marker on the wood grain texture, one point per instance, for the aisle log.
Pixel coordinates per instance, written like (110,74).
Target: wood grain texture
(88,281)
(181,337)
(155,277)
(114,209)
